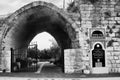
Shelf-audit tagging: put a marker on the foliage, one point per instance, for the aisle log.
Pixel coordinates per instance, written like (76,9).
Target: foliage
(32,53)
(52,53)
(110,43)
(72,7)
(1,21)
(118,33)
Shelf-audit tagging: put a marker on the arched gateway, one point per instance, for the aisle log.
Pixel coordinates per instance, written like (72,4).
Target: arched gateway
(36,17)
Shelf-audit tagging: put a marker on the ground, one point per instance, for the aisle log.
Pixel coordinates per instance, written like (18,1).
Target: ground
(48,70)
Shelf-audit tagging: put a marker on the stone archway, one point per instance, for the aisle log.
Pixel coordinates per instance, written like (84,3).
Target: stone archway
(21,26)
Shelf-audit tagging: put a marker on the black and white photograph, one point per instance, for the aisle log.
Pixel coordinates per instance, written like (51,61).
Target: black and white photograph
(60,40)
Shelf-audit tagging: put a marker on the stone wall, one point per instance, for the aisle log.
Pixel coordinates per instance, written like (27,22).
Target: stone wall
(113,58)
(99,14)
(76,61)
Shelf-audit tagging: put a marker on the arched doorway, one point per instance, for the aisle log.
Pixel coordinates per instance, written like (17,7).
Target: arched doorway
(98,56)
(43,54)
(36,17)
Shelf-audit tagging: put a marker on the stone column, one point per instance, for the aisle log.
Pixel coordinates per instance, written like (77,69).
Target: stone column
(6,61)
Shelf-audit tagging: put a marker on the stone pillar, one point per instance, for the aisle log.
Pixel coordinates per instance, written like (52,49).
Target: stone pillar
(76,61)
(6,61)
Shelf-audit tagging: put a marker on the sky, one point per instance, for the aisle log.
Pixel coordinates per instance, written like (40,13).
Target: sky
(10,6)
(43,40)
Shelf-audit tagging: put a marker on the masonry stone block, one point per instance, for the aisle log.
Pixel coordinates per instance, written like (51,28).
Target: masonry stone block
(111,57)
(77,63)
(119,56)
(117,61)
(116,57)
(118,65)
(109,49)
(113,65)
(69,71)
(109,65)
(119,70)
(117,18)
(113,61)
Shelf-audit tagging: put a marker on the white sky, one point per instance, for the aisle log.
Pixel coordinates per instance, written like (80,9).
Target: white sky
(43,40)
(10,6)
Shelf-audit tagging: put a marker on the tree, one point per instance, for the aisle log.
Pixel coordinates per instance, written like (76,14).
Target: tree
(33,53)
(72,7)
(55,50)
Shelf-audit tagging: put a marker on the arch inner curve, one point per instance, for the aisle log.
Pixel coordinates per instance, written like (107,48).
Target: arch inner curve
(24,26)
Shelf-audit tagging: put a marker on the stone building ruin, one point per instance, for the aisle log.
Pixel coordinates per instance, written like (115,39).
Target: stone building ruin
(88,33)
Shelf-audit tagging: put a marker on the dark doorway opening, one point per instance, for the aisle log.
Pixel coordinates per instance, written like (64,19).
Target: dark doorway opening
(98,56)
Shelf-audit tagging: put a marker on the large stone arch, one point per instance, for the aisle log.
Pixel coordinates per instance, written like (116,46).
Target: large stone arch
(29,12)
(21,26)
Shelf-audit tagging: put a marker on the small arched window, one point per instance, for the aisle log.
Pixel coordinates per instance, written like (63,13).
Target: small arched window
(97,34)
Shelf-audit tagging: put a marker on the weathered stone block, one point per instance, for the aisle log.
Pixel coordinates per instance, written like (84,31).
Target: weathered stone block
(100,70)
(116,70)
(117,54)
(6,61)
(118,22)
(108,62)
(109,48)
(104,22)
(119,70)
(108,53)
(86,71)
(109,70)
(74,60)
(85,58)
(112,70)
(112,61)
(111,22)
(67,63)
(116,57)
(67,66)
(118,65)
(112,53)
(69,71)
(117,61)
(111,57)
(87,63)
(116,48)
(114,65)
(109,65)
(117,18)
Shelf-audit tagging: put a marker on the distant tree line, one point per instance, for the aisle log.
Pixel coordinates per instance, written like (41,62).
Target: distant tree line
(52,53)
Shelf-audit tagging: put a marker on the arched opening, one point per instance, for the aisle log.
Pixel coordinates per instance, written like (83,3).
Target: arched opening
(42,51)
(97,34)
(47,47)
(44,40)
(98,56)
(22,26)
